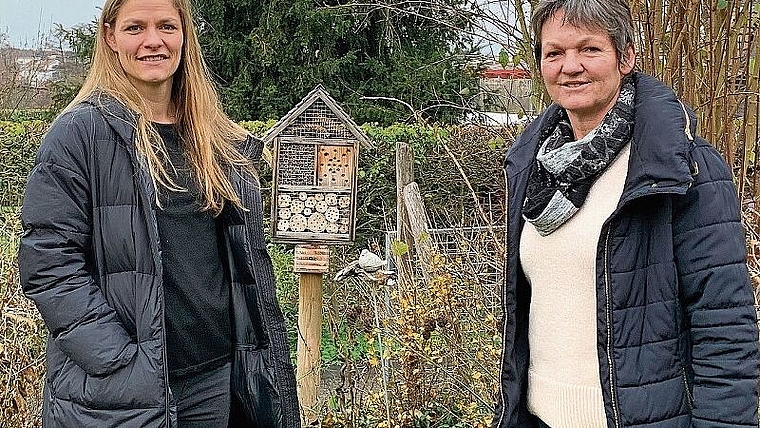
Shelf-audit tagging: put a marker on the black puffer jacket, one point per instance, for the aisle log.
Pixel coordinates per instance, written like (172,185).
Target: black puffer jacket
(90,258)
(677,334)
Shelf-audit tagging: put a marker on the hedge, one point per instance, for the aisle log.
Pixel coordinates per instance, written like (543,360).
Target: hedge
(478,152)
(19,142)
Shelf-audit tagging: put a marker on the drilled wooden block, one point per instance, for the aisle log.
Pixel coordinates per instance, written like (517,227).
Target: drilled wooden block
(311,259)
(313,211)
(335,165)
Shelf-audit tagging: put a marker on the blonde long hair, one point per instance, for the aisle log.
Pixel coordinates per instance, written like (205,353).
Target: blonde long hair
(208,135)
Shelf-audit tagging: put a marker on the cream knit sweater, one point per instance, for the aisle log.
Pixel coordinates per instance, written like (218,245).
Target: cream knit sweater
(564,388)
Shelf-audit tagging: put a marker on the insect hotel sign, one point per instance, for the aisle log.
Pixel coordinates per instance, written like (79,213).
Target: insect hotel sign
(316,149)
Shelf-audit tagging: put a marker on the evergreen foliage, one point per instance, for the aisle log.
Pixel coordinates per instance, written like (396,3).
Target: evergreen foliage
(268,54)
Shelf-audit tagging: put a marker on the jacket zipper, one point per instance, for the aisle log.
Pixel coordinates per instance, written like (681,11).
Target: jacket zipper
(687,128)
(687,131)
(166,359)
(608,300)
(162,303)
(504,304)
(689,398)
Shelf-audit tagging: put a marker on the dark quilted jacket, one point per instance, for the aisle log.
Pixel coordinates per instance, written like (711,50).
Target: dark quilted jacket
(677,334)
(90,258)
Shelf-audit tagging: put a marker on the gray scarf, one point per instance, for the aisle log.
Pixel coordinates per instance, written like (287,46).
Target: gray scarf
(566,169)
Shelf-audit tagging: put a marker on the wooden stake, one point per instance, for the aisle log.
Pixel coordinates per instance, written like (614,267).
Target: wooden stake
(420,225)
(310,262)
(309,338)
(404,176)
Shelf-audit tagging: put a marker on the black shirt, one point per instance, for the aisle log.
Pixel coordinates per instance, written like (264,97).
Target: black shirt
(196,289)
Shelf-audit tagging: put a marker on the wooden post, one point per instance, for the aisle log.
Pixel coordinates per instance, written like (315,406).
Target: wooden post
(418,221)
(404,176)
(310,262)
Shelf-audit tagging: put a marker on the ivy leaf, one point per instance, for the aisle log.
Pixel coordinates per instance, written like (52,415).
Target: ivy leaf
(722,4)
(399,248)
(504,58)
(517,60)
(496,143)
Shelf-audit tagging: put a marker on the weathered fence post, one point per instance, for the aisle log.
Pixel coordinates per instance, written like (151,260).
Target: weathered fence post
(404,176)
(419,224)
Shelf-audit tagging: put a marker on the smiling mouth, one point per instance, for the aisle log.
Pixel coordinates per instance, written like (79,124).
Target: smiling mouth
(153,58)
(574,85)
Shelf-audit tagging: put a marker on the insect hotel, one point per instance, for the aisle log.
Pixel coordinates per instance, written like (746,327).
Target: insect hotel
(316,158)
(316,155)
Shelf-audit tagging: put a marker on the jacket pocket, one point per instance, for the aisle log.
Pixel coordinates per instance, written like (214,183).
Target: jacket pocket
(136,385)
(64,376)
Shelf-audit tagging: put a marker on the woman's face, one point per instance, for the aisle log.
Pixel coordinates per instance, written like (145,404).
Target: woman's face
(581,69)
(147,36)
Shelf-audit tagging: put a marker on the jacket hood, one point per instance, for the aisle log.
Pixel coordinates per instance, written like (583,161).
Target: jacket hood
(119,117)
(662,134)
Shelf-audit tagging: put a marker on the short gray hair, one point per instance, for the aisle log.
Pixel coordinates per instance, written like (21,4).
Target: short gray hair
(612,16)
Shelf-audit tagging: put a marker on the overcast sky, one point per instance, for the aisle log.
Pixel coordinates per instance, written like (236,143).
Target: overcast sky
(23,21)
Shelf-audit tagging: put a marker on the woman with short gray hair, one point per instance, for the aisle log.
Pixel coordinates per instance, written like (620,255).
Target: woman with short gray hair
(627,301)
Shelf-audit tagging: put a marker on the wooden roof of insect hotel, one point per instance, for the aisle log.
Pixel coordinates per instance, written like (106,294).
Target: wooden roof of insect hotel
(317,116)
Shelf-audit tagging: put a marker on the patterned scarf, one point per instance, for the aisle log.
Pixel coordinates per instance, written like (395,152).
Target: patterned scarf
(565,169)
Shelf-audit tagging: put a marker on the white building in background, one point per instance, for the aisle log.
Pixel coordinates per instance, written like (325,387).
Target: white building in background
(505,97)
(39,69)
(27,75)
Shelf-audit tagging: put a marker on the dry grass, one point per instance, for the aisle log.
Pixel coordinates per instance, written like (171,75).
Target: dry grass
(22,336)
(751,218)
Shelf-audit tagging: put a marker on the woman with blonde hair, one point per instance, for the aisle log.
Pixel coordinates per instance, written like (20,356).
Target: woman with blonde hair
(143,243)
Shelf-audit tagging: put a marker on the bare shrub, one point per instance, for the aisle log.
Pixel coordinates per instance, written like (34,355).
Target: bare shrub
(431,347)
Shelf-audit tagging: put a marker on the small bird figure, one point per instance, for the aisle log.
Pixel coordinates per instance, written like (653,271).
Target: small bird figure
(370,261)
(368,266)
